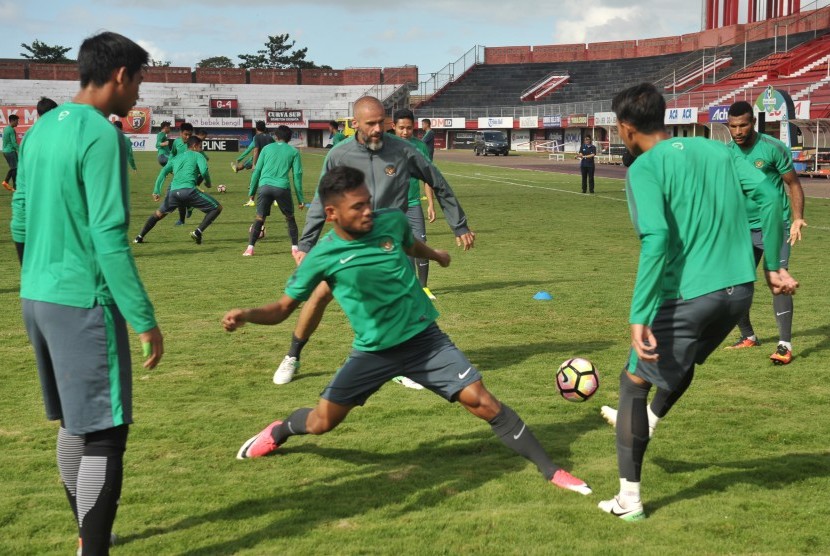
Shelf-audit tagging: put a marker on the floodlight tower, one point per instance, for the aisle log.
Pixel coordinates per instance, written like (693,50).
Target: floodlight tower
(720,13)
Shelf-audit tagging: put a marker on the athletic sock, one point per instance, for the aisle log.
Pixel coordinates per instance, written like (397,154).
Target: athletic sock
(151,222)
(516,435)
(210,216)
(787,345)
(256,229)
(293,232)
(423,271)
(297,346)
(632,428)
(745,326)
(99,490)
(783,307)
(182,213)
(70,451)
(629,493)
(293,425)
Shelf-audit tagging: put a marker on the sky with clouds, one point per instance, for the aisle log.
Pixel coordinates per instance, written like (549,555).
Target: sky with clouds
(341,33)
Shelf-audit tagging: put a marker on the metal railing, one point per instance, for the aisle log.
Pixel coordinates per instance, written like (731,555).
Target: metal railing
(451,71)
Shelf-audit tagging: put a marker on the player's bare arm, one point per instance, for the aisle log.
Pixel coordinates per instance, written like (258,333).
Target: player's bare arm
(421,250)
(796,193)
(273,313)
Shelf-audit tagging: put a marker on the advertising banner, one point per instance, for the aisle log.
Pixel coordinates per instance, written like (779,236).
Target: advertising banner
(675,116)
(27,117)
(462,139)
(143,141)
(605,119)
(221,145)
(448,123)
(157,117)
(285,116)
(520,140)
(499,122)
(552,121)
(719,114)
(528,122)
(199,121)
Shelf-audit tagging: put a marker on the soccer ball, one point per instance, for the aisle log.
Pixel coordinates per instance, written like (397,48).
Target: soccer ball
(261,232)
(221,188)
(577,379)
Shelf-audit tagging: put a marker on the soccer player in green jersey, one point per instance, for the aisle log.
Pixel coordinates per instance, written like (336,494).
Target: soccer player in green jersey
(335,134)
(163,143)
(186,167)
(389,162)
(10,152)
(772,157)
(177,146)
(79,283)
(275,162)
(128,144)
(261,139)
(428,137)
(687,199)
(364,258)
(404,122)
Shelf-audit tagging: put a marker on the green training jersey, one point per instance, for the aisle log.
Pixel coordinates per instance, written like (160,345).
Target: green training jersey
(337,137)
(179,147)
(128,145)
(373,281)
(774,159)
(273,164)
(9,140)
(415,183)
(163,150)
(72,210)
(687,202)
(186,169)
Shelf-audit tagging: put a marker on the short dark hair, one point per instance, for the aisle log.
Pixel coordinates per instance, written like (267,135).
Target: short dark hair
(260,126)
(334,124)
(104,53)
(193,141)
(740,108)
(164,124)
(284,133)
(118,124)
(642,106)
(13,117)
(186,126)
(403,114)
(338,181)
(44,105)
(426,121)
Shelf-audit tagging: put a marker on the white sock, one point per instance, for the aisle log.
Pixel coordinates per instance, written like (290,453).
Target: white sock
(653,419)
(753,338)
(787,345)
(251,247)
(629,493)
(295,248)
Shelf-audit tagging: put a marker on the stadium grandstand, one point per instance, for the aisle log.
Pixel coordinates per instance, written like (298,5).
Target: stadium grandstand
(542,97)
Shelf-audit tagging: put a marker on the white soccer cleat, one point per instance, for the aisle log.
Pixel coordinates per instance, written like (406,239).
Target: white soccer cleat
(630,512)
(249,252)
(285,372)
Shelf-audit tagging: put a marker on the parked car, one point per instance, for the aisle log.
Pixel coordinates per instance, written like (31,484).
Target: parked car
(490,142)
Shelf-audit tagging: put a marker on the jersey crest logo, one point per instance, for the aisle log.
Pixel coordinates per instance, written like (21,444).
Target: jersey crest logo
(677,145)
(759,163)
(390,170)
(386,244)
(63,115)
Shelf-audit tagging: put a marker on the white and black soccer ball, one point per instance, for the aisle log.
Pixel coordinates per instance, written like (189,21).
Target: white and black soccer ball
(221,188)
(577,379)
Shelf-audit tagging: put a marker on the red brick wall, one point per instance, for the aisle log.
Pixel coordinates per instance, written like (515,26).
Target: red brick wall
(13,70)
(656,47)
(405,74)
(321,77)
(61,72)
(220,75)
(274,76)
(560,53)
(613,50)
(169,74)
(361,76)
(508,55)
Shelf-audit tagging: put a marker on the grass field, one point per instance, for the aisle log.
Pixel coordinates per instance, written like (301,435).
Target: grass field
(740,466)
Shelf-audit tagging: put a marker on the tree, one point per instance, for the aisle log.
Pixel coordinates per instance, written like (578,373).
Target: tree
(276,55)
(43,53)
(215,62)
(159,63)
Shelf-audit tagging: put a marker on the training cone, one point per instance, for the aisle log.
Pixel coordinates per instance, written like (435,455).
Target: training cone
(543,296)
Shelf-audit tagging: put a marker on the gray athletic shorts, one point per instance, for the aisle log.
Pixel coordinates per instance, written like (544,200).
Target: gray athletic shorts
(188,197)
(429,358)
(83,361)
(688,331)
(758,246)
(415,215)
(11,159)
(162,158)
(268,194)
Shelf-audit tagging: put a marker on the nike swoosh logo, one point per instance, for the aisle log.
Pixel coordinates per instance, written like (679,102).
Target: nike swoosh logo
(779,314)
(516,436)
(465,373)
(347,259)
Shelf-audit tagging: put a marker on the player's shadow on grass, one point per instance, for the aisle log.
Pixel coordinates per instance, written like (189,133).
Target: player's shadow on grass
(484,286)
(392,483)
(822,345)
(493,358)
(766,473)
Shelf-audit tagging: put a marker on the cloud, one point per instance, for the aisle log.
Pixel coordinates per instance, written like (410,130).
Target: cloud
(156,53)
